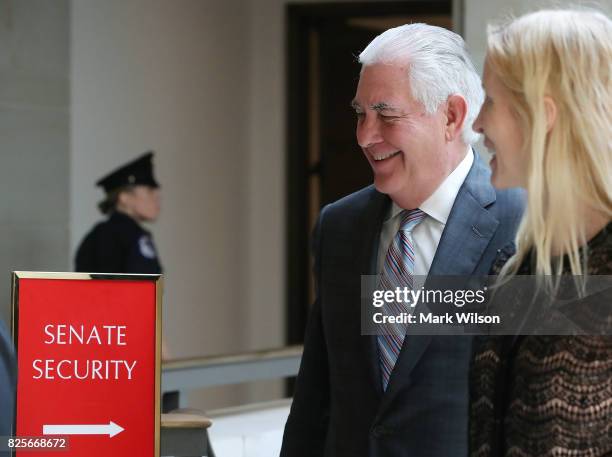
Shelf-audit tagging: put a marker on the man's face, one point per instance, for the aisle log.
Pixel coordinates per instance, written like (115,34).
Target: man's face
(404,145)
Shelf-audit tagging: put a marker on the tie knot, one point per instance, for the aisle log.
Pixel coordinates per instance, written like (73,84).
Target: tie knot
(410,219)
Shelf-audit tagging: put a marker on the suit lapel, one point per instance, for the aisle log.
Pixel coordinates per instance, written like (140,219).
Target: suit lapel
(469,227)
(371,220)
(467,233)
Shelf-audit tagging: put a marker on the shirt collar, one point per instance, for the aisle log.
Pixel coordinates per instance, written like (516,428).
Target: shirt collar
(439,204)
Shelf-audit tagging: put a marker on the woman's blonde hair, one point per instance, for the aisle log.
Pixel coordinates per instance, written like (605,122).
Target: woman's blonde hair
(565,55)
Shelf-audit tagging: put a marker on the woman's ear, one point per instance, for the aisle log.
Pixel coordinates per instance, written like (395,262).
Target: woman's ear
(551,112)
(123,199)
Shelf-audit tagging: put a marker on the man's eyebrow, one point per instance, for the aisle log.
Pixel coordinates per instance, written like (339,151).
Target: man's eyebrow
(380,106)
(383,106)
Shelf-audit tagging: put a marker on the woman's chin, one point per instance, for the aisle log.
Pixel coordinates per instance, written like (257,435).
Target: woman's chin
(496,177)
(497,180)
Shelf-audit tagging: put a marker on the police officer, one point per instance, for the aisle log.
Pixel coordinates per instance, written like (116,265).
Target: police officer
(120,244)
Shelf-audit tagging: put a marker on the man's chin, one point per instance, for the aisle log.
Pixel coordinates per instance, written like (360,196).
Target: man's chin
(384,185)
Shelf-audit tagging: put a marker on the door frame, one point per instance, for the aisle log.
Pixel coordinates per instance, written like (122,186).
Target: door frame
(300,19)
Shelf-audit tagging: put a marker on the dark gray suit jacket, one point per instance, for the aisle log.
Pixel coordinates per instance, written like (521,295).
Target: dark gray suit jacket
(7,382)
(339,408)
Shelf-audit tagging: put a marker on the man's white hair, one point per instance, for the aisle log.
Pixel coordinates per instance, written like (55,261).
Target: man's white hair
(438,66)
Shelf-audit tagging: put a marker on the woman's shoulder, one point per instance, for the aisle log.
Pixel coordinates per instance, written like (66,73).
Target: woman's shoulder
(503,255)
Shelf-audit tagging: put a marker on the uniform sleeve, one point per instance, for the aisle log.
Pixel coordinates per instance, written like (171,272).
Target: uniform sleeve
(142,256)
(306,428)
(110,253)
(101,251)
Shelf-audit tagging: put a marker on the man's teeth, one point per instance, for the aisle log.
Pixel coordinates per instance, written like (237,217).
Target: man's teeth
(385,156)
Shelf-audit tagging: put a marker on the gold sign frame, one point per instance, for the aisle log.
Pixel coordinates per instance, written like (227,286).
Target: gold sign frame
(155,278)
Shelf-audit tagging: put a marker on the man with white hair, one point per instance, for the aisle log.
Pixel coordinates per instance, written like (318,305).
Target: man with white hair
(431,211)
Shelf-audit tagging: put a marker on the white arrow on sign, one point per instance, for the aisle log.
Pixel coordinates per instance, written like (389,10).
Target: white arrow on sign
(111,429)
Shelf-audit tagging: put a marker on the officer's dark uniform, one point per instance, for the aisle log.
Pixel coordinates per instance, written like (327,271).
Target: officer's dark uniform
(120,244)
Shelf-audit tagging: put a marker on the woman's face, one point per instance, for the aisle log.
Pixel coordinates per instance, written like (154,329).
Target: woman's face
(141,202)
(503,135)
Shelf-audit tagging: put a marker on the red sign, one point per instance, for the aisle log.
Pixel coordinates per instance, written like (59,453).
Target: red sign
(88,355)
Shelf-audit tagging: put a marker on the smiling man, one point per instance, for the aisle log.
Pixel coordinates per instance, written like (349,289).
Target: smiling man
(431,211)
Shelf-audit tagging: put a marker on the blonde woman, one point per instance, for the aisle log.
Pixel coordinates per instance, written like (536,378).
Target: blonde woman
(547,118)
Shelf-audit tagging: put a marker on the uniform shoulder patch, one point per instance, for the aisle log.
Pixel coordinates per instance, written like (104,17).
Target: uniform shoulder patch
(145,245)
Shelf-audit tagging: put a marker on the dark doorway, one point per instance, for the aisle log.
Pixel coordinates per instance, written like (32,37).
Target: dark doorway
(324,160)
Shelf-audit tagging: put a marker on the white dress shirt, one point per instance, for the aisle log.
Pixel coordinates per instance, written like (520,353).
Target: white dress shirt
(426,235)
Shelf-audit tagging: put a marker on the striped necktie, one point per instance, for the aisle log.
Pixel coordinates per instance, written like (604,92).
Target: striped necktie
(398,271)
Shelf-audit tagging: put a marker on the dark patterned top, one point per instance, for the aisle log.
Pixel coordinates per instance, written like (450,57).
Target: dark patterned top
(544,395)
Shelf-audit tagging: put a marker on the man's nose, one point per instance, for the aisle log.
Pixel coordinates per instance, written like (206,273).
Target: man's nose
(368,131)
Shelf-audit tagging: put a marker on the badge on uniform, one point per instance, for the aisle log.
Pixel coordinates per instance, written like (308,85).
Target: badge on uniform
(146,247)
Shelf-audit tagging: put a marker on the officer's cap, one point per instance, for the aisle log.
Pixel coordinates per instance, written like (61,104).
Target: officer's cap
(136,172)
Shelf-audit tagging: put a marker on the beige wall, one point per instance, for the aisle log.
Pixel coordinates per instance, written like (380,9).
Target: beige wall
(34,138)
(172,76)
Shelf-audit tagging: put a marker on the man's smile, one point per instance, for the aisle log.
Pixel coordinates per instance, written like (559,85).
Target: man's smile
(379,157)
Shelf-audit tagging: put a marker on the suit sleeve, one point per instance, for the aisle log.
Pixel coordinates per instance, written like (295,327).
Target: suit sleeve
(306,427)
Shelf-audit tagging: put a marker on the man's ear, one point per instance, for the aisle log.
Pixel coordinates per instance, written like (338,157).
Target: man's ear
(551,112)
(456,112)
